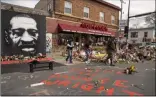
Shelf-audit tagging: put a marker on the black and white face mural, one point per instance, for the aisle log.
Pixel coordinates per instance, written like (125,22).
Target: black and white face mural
(23,33)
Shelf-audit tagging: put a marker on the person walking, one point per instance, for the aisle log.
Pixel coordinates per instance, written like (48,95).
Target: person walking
(70,46)
(111,49)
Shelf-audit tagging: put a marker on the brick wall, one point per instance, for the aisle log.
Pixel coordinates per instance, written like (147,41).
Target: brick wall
(77,12)
(94,8)
(17,8)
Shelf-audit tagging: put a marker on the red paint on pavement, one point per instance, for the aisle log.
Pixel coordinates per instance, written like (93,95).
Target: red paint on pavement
(105,80)
(73,78)
(65,76)
(50,82)
(98,70)
(100,89)
(119,72)
(54,76)
(120,83)
(76,85)
(110,92)
(130,93)
(64,83)
(86,87)
(87,79)
(81,72)
(107,71)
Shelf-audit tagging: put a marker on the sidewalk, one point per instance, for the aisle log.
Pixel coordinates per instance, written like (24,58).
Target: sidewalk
(58,58)
(61,59)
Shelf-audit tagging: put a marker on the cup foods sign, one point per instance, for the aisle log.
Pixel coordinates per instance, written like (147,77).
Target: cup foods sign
(94,27)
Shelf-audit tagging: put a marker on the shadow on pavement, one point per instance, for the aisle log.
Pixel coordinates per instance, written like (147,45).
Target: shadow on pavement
(24,68)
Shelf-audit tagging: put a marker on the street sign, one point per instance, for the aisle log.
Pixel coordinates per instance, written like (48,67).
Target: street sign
(123,23)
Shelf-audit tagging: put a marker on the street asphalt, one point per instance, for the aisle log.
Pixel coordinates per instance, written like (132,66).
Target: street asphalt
(81,79)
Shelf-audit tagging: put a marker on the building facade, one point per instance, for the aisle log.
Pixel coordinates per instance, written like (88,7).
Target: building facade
(142,35)
(80,19)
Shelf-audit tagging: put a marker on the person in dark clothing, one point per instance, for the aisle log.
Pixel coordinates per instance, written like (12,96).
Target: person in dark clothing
(87,51)
(130,46)
(70,46)
(111,48)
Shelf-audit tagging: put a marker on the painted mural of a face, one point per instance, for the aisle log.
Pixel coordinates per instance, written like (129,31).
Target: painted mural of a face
(23,33)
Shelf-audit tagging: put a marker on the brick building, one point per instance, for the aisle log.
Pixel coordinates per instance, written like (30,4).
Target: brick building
(16,8)
(82,19)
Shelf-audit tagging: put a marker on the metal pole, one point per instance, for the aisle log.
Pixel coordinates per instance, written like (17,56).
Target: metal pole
(119,32)
(121,9)
(120,18)
(128,20)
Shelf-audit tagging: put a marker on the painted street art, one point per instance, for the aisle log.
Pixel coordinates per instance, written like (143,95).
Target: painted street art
(88,80)
(22,33)
(48,42)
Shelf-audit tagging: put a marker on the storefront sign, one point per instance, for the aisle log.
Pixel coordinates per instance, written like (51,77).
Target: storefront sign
(94,27)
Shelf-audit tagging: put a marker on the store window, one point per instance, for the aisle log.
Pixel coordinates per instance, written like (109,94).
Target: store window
(101,16)
(145,34)
(86,12)
(49,7)
(68,7)
(134,34)
(113,19)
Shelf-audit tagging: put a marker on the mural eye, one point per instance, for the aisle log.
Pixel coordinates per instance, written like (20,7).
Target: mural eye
(18,32)
(32,32)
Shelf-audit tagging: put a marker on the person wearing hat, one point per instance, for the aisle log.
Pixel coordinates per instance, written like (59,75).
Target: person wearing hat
(70,46)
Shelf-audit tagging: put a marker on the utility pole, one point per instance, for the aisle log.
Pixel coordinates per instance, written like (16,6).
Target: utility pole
(121,15)
(121,9)
(119,32)
(128,21)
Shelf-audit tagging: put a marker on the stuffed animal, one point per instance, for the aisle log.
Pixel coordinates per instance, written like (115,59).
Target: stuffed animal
(130,70)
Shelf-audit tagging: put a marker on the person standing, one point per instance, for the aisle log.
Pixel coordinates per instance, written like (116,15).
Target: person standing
(87,51)
(111,48)
(70,46)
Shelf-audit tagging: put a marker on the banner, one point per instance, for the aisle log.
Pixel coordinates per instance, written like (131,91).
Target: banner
(48,42)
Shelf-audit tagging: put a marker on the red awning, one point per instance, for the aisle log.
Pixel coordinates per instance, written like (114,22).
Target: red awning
(69,28)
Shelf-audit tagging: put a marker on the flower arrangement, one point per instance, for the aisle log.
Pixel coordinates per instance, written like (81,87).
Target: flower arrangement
(21,57)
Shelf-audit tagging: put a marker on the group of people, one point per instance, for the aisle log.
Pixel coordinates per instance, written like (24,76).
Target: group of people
(111,49)
(127,52)
(70,46)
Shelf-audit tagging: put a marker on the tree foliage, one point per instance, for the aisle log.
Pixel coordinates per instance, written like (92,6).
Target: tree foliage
(150,19)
